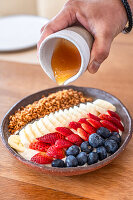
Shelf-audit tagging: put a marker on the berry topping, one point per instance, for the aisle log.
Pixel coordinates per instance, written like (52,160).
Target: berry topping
(88,128)
(85,147)
(64,131)
(62,143)
(102,153)
(92,158)
(96,124)
(40,146)
(71,161)
(113,114)
(109,125)
(82,158)
(41,158)
(74,125)
(103,132)
(73,150)
(58,163)
(111,146)
(55,152)
(50,137)
(82,134)
(116,136)
(75,139)
(114,120)
(91,116)
(96,140)
(83,120)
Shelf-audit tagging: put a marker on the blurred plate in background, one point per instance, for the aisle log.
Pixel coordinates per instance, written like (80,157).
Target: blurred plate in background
(20,32)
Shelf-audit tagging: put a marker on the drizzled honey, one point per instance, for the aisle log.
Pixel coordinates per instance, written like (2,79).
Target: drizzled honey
(66,61)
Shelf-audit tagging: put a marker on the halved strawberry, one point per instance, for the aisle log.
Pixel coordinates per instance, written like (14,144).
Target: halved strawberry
(75,139)
(88,128)
(64,131)
(83,134)
(74,125)
(83,120)
(109,125)
(114,120)
(40,146)
(91,116)
(55,152)
(96,124)
(113,114)
(62,143)
(50,138)
(41,158)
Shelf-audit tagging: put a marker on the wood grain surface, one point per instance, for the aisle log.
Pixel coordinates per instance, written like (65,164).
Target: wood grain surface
(113,182)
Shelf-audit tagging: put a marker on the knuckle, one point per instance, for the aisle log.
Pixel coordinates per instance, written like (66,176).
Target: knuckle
(103,53)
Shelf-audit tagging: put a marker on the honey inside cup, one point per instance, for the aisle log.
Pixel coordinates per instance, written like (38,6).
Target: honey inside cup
(65,55)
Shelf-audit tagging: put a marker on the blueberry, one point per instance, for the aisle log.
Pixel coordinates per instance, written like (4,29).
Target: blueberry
(111,146)
(85,147)
(73,150)
(116,136)
(71,161)
(92,158)
(96,140)
(102,153)
(82,158)
(103,132)
(58,163)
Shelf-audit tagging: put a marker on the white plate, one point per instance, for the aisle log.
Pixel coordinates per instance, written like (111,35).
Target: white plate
(20,32)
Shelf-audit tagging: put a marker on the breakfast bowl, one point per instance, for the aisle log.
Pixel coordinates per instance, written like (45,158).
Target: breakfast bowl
(70,171)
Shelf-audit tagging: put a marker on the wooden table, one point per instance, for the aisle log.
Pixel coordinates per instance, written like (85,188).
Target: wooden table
(113,182)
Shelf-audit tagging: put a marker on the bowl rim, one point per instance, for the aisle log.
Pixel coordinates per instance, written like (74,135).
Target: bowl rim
(71,170)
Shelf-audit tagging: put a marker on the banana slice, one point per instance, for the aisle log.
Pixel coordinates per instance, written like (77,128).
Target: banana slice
(29,132)
(41,127)
(104,104)
(60,119)
(91,109)
(28,153)
(15,142)
(24,138)
(100,110)
(48,124)
(65,116)
(36,130)
(54,121)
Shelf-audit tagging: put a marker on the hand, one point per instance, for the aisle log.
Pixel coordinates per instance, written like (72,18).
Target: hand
(104,19)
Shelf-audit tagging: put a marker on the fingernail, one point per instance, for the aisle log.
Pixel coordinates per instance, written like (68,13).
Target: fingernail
(93,67)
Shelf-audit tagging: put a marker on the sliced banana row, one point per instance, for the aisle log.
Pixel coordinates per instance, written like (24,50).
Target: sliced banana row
(61,118)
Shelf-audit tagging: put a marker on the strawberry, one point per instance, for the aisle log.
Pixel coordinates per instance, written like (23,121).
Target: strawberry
(75,139)
(83,120)
(41,158)
(74,125)
(114,120)
(40,146)
(113,114)
(94,123)
(109,125)
(64,131)
(91,116)
(50,138)
(55,152)
(88,128)
(83,134)
(62,143)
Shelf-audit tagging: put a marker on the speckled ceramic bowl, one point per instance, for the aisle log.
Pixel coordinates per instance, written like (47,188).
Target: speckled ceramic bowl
(90,92)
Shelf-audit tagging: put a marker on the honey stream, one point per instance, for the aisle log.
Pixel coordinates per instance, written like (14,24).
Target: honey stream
(66,61)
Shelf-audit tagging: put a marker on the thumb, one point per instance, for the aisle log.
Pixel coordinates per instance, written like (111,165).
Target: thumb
(100,51)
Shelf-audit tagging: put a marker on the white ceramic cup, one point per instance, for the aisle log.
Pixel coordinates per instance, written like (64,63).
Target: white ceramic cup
(79,36)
